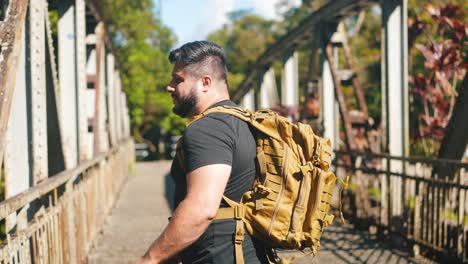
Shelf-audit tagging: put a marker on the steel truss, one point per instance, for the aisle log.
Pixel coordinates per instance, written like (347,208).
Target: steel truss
(58,186)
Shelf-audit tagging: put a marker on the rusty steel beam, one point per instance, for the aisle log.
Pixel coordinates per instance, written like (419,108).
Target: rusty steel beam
(349,137)
(307,30)
(359,92)
(10,36)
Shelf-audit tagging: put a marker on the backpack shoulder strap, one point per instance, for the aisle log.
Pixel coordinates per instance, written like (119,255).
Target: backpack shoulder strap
(232,110)
(256,119)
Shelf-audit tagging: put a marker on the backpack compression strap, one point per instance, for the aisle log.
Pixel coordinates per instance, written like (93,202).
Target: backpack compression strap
(237,212)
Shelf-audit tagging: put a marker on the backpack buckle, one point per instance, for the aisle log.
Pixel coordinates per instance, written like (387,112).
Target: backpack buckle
(239,212)
(260,115)
(240,232)
(262,190)
(243,112)
(306,168)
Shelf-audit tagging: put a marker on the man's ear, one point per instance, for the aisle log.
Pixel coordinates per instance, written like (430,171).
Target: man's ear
(207,82)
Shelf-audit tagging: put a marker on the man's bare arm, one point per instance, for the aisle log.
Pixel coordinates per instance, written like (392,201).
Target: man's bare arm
(205,188)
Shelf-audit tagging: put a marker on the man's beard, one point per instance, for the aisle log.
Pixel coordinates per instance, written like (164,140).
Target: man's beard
(184,105)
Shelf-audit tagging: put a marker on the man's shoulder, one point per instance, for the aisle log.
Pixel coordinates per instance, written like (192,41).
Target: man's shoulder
(213,123)
(216,119)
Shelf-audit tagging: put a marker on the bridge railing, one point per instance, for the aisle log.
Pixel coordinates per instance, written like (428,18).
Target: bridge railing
(66,211)
(65,145)
(424,201)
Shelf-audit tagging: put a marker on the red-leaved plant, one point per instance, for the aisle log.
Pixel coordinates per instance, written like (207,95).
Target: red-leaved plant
(444,65)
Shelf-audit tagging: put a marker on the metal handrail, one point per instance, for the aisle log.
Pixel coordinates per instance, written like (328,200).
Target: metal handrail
(405,175)
(18,201)
(414,201)
(412,159)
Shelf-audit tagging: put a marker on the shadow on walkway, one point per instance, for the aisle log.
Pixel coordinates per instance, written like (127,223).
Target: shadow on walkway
(344,244)
(360,247)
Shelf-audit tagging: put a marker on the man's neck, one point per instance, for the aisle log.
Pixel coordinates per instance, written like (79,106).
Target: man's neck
(202,106)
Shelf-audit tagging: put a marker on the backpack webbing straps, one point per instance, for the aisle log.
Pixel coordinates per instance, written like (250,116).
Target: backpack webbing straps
(239,239)
(235,211)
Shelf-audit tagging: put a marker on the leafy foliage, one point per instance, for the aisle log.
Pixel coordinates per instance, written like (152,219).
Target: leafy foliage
(244,39)
(142,43)
(442,54)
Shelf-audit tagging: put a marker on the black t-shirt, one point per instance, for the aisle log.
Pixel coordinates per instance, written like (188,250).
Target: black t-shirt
(219,138)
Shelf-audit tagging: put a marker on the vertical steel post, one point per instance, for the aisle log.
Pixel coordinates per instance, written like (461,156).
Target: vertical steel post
(111,94)
(290,83)
(17,151)
(99,116)
(38,89)
(125,117)
(268,91)
(118,106)
(248,102)
(97,93)
(70,218)
(11,37)
(103,88)
(67,76)
(329,109)
(91,72)
(80,44)
(396,92)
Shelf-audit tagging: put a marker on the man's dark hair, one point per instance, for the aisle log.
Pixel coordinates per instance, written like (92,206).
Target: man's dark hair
(201,57)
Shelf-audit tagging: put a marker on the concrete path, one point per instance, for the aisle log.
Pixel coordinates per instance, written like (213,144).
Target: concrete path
(139,216)
(142,209)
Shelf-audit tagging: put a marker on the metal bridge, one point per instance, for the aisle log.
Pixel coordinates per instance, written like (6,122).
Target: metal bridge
(66,149)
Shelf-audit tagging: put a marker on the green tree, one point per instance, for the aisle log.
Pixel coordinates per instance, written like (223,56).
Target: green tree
(244,39)
(142,43)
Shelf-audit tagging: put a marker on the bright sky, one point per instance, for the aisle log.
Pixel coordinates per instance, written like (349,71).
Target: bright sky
(194,19)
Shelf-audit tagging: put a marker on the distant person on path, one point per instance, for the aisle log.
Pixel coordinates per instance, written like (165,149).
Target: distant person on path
(219,159)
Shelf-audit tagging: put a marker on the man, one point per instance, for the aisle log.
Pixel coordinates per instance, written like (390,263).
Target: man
(219,159)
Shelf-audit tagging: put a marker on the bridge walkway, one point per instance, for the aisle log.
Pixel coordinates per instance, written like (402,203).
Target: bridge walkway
(142,209)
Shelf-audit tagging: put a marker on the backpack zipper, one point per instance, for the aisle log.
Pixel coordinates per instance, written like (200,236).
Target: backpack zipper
(278,202)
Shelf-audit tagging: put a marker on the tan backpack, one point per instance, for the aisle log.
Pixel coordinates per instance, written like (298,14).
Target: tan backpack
(288,204)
